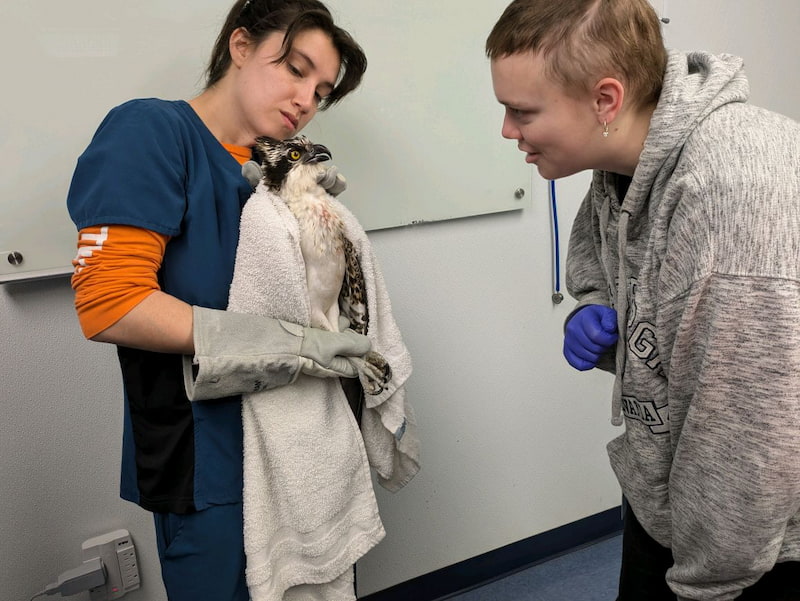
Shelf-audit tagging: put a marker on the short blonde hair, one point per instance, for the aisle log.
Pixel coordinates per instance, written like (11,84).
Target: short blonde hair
(583,41)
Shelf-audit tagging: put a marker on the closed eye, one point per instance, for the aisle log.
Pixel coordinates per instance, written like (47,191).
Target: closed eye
(296,72)
(520,115)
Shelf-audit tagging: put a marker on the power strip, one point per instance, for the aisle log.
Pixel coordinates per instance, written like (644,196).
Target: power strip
(118,554)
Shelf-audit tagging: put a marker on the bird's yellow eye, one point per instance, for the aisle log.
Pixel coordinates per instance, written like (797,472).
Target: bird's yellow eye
(294,154)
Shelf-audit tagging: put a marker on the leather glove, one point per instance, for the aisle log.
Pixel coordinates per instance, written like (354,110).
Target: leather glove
(333,181)
(237,353)
(329,178)
(590,333)
(324,354)
(251,171)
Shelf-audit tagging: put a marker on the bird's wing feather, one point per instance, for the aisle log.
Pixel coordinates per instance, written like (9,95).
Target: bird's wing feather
(353,296)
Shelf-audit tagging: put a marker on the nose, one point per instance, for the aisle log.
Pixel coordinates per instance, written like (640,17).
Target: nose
(509,130)
(305,97)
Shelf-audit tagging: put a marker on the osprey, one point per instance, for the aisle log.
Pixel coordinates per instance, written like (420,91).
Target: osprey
(292,169)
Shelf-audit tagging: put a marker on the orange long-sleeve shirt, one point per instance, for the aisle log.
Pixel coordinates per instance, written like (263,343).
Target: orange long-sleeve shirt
(117,266)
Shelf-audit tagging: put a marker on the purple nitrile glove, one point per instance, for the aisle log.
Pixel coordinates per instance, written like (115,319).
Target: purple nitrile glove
(589,334)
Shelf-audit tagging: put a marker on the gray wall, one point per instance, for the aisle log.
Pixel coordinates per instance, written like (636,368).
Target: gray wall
(513,440)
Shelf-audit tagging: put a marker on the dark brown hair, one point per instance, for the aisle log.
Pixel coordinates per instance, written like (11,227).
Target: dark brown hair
(583,41)
(262,17)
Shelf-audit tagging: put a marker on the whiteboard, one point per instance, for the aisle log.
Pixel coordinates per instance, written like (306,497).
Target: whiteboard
(419,141)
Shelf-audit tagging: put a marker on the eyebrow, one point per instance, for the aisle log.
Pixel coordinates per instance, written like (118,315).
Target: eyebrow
(313,66)
(514,106)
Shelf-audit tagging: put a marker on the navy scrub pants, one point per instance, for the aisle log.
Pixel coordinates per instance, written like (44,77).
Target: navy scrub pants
(202,554)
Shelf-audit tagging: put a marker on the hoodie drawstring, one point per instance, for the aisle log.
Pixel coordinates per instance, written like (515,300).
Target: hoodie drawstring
(620,304)
(622,318)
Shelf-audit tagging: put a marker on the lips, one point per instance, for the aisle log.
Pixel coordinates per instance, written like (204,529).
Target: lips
(290,119)
(530,155)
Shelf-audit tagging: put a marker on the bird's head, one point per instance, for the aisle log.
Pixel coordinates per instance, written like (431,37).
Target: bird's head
(297,156)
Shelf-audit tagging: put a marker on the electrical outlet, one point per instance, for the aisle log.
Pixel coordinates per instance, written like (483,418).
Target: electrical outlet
(118,555)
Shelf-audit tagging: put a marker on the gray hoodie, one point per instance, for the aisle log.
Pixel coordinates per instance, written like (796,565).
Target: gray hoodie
(708,364)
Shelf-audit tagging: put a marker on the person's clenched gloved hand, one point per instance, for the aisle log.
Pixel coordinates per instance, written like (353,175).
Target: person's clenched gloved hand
(325,354)
(236,353)
(333,181)
(590,333)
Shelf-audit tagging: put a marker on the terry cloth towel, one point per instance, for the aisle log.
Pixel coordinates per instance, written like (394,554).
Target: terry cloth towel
(309,506)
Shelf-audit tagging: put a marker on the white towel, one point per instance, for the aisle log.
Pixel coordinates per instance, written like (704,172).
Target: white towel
(309,507)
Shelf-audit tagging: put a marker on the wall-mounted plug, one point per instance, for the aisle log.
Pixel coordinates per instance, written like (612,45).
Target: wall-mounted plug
(118,555)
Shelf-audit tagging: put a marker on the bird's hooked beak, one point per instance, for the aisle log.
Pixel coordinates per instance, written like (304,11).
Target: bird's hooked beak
(319,154)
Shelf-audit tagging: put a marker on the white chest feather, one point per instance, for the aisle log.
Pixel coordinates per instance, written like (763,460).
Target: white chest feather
(321,242)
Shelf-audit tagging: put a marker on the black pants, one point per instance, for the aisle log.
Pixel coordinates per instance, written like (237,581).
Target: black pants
(645,564)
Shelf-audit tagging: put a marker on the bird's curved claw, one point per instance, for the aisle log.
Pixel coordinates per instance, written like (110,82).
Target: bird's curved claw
(374,372)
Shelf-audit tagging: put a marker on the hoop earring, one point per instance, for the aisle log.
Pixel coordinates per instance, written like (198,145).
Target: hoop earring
(605,128)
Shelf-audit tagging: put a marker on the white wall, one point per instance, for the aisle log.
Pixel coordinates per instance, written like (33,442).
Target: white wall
(513,440)
(764,33)
(60,430)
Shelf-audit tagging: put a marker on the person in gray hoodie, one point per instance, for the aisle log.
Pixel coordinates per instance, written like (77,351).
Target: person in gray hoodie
(685,262)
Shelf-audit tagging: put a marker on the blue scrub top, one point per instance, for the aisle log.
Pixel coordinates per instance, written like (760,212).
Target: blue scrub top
(153,164)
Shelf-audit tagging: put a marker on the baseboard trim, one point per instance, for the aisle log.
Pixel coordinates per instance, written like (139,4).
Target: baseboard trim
(501,562)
